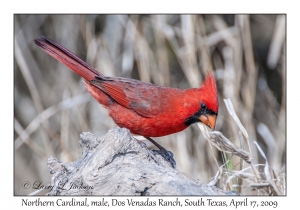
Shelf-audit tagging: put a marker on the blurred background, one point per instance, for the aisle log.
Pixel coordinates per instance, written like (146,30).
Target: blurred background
(246,53)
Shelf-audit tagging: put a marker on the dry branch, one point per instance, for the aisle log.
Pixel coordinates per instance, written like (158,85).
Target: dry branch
(118,164)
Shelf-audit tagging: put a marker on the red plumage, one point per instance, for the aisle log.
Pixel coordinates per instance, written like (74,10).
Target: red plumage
(143,108)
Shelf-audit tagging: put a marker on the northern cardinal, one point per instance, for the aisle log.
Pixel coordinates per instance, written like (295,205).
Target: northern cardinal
(145,109)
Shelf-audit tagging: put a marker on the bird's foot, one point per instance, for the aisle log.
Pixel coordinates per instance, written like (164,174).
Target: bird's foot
(167,155)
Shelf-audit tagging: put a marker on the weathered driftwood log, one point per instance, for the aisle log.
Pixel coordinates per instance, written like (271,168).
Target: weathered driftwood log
(120,165)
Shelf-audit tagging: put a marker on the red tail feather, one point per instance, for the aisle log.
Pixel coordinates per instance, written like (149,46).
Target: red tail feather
(68,58)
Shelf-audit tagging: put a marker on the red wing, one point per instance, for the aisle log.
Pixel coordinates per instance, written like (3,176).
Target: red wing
(144,98)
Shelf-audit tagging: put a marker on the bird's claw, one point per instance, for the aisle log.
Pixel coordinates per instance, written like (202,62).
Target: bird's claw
(167,155)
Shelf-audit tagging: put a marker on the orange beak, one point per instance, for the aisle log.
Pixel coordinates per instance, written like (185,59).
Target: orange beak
(209,120)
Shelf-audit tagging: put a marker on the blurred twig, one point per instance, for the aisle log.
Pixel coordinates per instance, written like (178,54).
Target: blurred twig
(69,103)
(277,42)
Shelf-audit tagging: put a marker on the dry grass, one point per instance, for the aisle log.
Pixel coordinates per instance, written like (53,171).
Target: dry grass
(245,53)
(266,182)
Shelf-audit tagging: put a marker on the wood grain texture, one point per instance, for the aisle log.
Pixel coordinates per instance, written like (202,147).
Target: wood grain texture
(118,164)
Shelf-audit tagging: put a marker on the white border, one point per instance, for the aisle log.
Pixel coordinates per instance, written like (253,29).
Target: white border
(153,6)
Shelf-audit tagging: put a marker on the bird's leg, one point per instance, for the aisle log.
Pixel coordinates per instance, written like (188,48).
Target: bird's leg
(167,155)
(155,143)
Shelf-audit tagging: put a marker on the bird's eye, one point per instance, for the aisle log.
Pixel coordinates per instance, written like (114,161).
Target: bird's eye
(203,106)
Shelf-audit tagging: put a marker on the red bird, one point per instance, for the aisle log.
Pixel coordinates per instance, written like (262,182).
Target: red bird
(145,109)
